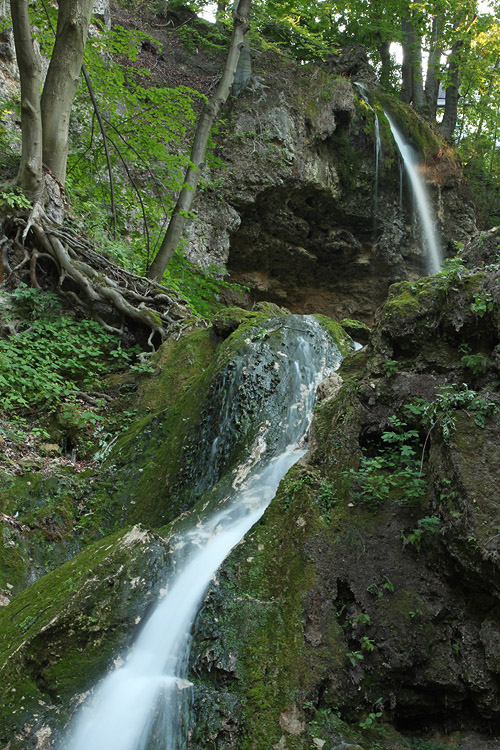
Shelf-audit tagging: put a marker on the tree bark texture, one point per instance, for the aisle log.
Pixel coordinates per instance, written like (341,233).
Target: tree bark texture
(386,61)
(412,90)
(30,171)
(207,118)
(62,79)
(433,76)
(449,121)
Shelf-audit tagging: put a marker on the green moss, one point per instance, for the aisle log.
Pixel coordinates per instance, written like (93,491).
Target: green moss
(337,332)
(24,621)
(176,363)
(417,130)
(402,300)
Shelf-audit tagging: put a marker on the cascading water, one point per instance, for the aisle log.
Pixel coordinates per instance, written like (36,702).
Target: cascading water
(141,703)
(424,209)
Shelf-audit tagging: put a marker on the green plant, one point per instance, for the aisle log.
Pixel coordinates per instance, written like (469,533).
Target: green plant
(326,497)
(14,200)
(391,367)
(393,473)
(293,487)
(355,657)
(481,304)
(449,399)
(429,525)
(363,619)
(388,585)
(367,644)
(52,356)
(372,717)
(478,363)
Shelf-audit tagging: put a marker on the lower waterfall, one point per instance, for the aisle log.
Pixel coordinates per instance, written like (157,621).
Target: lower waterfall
(142,703)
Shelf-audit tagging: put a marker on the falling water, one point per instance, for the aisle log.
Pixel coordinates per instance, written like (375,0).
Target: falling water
(424,210)
(141,703)
(378,152)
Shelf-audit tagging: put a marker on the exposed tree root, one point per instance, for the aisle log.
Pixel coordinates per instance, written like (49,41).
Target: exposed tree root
(118,299)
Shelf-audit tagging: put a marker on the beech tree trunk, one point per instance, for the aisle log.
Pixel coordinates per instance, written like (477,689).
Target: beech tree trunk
(62,79)
(207,119)
(433,76)
(412,90)
(385,59)
(449,121)
(30,171)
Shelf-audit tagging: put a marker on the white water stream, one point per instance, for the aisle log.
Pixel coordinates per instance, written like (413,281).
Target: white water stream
(141,703)
(425,213)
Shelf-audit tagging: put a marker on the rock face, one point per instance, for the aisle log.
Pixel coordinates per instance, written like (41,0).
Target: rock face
(292,212)
(60,635)
(370,593)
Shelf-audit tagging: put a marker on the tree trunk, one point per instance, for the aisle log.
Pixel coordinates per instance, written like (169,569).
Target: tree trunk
(412,90)
(243,75)
(62,79)
(30,177)
(207,118)
(434,66)
(385,59)
(451,103)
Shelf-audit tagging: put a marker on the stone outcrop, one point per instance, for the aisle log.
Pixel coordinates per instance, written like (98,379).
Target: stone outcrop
(369,594)
(292,211)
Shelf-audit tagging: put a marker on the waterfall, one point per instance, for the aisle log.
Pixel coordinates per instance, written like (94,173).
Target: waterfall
(378,152)
(141,704)
(424,209)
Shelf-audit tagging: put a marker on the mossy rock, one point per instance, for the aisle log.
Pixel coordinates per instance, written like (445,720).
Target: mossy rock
(357,330)
(60,635)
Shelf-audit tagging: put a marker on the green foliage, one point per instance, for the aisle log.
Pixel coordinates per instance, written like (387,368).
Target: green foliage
(391,367)
(147,127)
(449,399)
(481,304)
(355,657)
(207,37)
(393,473)
(363,619)
(367,644)
(14,200)
(477,363)
(429,525)
(51,356)
(326,497)
(373,716)
(203,288)
(293,487)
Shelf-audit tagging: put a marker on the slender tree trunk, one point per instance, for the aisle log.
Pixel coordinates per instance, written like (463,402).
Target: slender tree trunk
(433,76)
(30,177)
(385,58)
(452,91)
(62,79)
(406,65)
(243,75)
(412,87)
(207,119)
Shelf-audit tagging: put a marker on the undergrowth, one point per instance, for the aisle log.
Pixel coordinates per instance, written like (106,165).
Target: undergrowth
(49,356)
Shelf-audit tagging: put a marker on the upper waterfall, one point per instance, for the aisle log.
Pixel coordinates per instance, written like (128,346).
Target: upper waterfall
(423,204)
